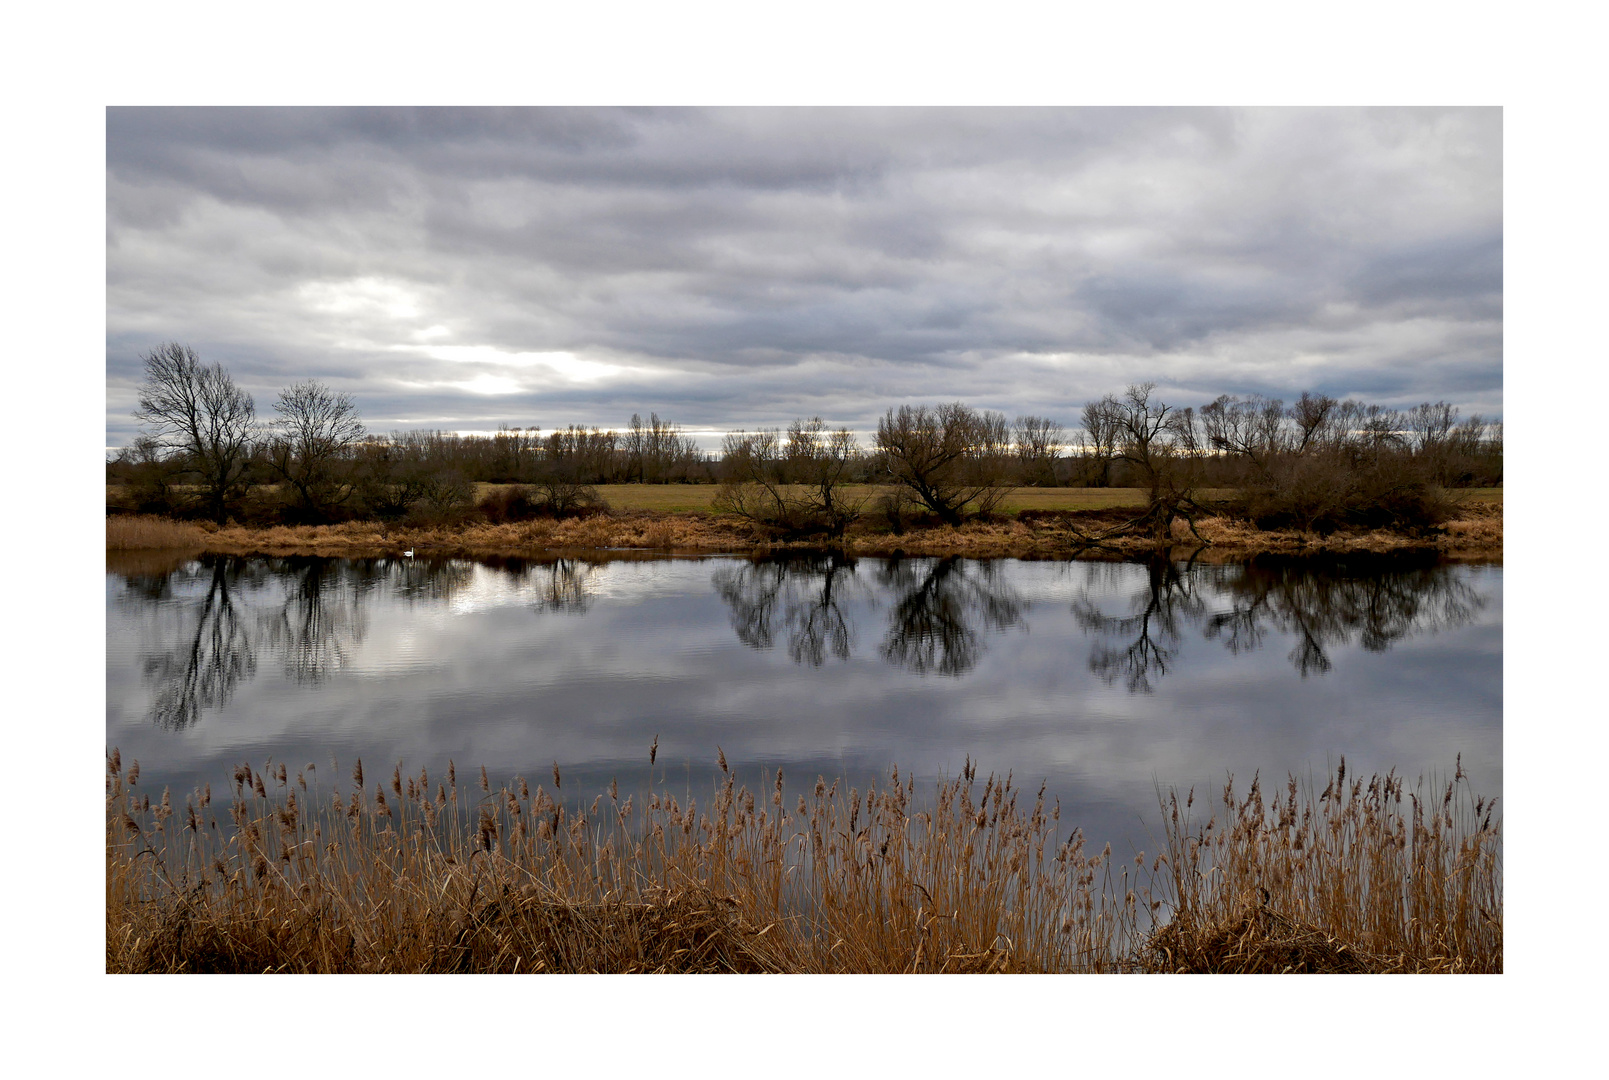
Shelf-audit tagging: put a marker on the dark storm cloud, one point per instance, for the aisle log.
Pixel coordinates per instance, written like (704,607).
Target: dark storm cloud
(464,267)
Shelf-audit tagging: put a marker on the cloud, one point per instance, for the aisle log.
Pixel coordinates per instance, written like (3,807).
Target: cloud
(737,267)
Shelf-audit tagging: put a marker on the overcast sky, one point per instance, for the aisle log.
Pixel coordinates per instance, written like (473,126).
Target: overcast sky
(460,269)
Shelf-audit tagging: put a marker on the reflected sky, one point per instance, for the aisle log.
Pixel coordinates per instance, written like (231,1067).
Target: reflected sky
(1104,679)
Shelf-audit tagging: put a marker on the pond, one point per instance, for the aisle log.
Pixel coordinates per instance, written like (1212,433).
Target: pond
(1103,680)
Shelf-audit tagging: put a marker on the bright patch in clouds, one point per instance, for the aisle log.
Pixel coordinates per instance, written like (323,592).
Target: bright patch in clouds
(489,384)
(565,364)
(363,296)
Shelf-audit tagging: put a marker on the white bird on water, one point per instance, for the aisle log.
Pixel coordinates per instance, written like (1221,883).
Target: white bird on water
(408,554)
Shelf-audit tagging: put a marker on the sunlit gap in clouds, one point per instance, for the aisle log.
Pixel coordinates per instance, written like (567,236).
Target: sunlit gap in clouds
(514,372)
(363,296)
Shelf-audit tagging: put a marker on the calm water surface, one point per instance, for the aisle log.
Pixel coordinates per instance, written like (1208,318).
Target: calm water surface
(1103,680)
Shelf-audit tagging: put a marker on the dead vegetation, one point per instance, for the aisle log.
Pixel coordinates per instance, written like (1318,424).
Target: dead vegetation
(425,874)
(1475,532)
(1354,880)
(150,533)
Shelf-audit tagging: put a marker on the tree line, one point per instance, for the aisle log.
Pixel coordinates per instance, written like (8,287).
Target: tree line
(204,452)
(1319,463)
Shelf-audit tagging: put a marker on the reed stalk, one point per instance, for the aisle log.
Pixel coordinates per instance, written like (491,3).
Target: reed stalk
(411,875)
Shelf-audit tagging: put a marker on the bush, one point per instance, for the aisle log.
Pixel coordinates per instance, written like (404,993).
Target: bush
(548,498)
(1324,495)
(517,502)
(791,487)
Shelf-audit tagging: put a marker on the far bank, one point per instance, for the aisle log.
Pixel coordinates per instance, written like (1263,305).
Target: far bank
(1059,526)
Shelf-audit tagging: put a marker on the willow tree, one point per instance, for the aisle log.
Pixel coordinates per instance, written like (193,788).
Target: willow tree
(952,458)
(1161,446)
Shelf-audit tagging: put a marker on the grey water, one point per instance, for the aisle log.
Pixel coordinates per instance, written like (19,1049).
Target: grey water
(1101,680)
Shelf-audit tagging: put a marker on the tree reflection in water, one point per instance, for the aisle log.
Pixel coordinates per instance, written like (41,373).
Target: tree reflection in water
(1151,633)
(801,595)
(561,586)
(938,608)
(1322,605)
(321,617)
(429,579)
(212,655)
(938,611)
(940,603)
(1350,600)
(564,586)
(313,627)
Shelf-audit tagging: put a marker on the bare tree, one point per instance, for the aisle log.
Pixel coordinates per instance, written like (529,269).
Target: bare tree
(1098,445)
(444,485)
(794,486)
(657,452)
(313,440)
(1038,442)
(1253,428)
(586,457)
(1474,453)
(1316,418)
(572,458)
(1428,426)
(950,457)
(148,472)
(513,454)
(1161,444)
(1431,434)
(198,410)
(391,474)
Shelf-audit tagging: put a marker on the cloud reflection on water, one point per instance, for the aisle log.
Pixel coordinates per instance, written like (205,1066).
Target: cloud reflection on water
(1103,678)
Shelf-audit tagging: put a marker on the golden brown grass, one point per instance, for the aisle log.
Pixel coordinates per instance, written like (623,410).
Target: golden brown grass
(1352,881)
(676,517)
(147,533)
(641,530)
(421,873)
(1477,533)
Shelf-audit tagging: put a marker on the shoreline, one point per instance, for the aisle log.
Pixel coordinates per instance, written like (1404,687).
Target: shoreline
(1475,535)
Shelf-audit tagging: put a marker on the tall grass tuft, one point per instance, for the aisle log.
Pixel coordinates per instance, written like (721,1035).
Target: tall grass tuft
(1355,880)
(140,533)
(964,878)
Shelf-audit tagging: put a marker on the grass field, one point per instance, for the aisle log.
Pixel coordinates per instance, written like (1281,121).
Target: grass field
(1477,495)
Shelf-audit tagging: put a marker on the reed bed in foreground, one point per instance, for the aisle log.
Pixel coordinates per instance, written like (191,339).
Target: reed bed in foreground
(443,876)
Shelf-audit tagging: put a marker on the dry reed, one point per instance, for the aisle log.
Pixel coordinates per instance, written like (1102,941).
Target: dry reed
(1351,881)
(438,878)
(1477,533)
(145,532)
